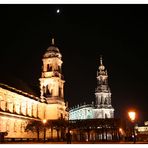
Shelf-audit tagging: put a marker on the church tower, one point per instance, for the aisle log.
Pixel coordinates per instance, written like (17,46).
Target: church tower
(52,84)
(104,108)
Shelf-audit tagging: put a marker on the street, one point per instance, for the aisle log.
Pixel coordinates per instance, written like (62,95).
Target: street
(74,142)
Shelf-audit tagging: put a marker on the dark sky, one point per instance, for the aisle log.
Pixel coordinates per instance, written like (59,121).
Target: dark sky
(82,32)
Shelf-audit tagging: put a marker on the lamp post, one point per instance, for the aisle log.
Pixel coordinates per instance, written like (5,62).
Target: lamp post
(132,116)
(44,122)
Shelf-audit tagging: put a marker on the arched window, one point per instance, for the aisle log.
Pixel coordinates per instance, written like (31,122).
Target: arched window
(48,93)
(60,92)
(101,102)
(106,102)
(47,90)
(49,67)
(59,69)
(44,91)
(51,91)
(6,107)
(61,116)
(105,115)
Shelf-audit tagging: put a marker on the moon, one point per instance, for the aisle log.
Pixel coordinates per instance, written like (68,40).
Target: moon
(58,11)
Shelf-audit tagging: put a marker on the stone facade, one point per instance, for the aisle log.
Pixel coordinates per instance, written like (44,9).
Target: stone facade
(17,108)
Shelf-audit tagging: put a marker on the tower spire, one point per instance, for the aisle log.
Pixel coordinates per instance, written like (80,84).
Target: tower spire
(52,42)
(103,93)
(101,63)
(101,67)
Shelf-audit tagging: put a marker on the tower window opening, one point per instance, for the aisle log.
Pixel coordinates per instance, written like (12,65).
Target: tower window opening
(49,68)
(105,102)
(61,116)
(44,91)
(105,115)
(56,74)
(59,69)
(48,94)
(60,93)
(101,102)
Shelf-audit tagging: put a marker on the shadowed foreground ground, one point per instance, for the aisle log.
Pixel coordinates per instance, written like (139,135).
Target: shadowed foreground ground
(73,143)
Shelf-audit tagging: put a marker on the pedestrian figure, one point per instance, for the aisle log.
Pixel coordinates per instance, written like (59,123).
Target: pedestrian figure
(68,137)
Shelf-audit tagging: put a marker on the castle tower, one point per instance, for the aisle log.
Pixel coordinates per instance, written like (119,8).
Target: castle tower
(104,108)
(52,83)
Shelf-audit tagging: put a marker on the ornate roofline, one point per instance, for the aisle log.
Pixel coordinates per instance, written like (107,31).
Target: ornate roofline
(4,86)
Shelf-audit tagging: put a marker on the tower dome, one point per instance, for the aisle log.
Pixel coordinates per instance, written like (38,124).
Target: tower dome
(101,67)
(52,51)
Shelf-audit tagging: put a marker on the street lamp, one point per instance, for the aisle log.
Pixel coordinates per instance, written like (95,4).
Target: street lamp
(132,116)
(44,122)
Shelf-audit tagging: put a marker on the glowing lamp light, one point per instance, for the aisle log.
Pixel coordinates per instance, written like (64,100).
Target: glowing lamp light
(132,115)
(44,121)
(120,129)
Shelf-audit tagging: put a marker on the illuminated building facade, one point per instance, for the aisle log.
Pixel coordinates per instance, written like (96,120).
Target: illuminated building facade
(142,132)
(142,129)
(52,84)
(102,108)
(17,107)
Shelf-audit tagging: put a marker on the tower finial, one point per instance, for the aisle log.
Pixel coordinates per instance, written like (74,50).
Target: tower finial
(101,67)
(52,41)
(101,63)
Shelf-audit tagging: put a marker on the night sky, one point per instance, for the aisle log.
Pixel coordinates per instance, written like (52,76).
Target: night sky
(82,33)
